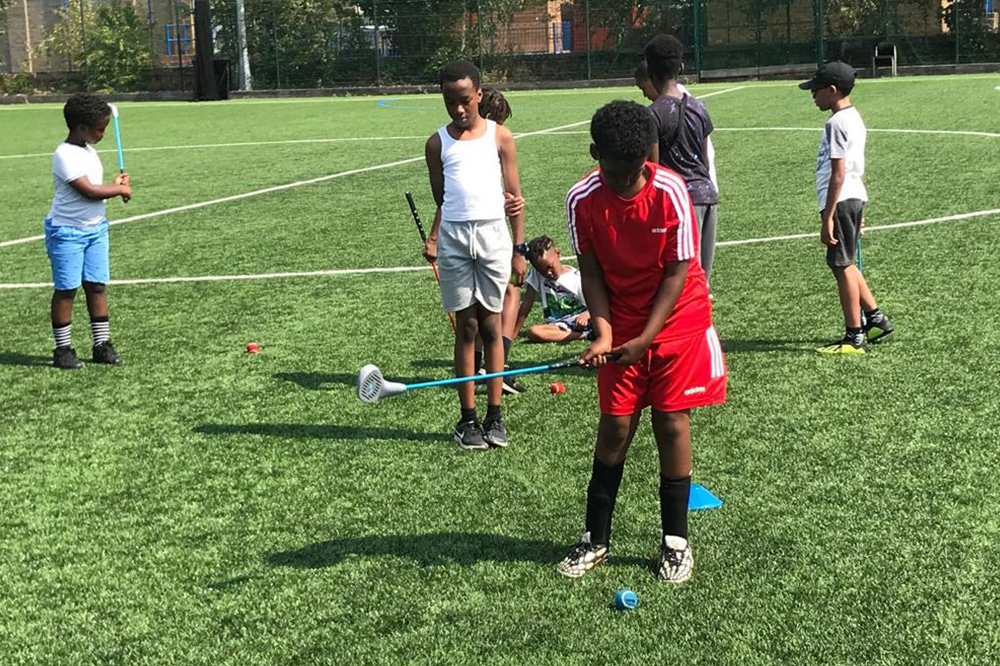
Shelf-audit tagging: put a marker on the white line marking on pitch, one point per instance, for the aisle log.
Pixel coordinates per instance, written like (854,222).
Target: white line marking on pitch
(252,144)
(311,181)
(411,269)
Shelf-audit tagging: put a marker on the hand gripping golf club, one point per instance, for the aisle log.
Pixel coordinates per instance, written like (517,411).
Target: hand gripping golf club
(372,386)
(118,141)
(423,237)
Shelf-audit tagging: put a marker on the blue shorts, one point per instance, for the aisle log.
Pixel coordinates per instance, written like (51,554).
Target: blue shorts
(77,255)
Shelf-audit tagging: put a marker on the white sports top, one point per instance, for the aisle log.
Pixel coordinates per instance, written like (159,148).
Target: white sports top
(473,179)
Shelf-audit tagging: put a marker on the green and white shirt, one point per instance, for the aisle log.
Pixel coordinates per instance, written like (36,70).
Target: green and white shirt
(561,298)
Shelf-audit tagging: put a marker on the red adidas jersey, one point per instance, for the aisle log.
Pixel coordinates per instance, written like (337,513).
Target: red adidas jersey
(632,239)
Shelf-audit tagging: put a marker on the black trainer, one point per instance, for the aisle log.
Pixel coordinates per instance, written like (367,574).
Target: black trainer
(878,330)
(469,436)
(495,433)
(65,358)
(105,353)
(512,387)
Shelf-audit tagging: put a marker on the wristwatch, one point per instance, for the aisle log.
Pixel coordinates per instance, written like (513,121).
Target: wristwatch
(521,249)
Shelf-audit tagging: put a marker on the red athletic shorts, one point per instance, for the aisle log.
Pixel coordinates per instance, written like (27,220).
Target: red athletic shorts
(672,376)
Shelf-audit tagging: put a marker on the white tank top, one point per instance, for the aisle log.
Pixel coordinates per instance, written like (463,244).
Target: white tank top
(473,180)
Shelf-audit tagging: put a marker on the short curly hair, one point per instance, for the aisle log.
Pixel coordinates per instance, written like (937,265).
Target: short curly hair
(539,246)
(664,57)
(494,106)
(457,70)
(623,130)
(85,109)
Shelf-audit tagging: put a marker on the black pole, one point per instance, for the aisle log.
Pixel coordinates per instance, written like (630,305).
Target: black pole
(177,44)
(83,34)
(479,26)
(586,18)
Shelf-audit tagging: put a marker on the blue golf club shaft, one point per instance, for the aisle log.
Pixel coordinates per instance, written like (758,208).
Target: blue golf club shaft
(506,373)
(118,140)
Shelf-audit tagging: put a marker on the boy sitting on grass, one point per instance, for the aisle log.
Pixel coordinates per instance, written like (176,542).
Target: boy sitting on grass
(76,230)
(563,303)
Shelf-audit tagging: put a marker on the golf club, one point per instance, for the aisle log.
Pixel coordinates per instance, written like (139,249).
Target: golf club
(118,140)
(423,237)
(372,386)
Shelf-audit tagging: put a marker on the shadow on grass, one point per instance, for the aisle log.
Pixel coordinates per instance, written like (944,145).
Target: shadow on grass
(750,346)
(437,549)
(14,358)
(318,431)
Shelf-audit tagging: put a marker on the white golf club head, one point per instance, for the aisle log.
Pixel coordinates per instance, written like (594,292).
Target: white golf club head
(114,110)
(372,386)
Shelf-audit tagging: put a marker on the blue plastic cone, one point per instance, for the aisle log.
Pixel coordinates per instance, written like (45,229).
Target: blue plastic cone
(702,498)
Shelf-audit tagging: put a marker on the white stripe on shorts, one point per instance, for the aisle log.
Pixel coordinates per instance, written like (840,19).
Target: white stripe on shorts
(718,364)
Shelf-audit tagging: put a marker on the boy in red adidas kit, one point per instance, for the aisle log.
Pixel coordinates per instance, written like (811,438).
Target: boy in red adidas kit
(632,225)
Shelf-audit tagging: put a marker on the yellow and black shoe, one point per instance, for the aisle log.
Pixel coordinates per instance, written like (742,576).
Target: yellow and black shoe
(849,345)
(876,330)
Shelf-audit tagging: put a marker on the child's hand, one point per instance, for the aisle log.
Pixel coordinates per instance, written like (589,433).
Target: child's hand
(518,267)
(631,351)
(582,322)
(512,205)
(431,249)
(124,181)
(826,233)
(594,355)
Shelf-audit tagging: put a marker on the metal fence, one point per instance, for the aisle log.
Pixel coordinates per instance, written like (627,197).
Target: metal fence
(268,44)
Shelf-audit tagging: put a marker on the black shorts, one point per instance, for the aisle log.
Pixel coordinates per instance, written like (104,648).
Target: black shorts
(847,230)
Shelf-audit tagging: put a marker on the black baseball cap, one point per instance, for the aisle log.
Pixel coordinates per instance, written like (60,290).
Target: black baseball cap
(835,73)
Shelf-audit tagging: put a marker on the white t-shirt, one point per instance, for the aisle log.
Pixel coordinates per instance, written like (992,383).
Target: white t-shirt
(844,138)
(473,178)
(69,207)
(562,297)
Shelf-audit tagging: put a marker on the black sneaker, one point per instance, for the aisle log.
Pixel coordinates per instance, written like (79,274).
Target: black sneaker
(105,353)
(584,557)
(676,562)
(848,345)
(512,387)
(495,433)
(469,436)
(65,358)
(878,330)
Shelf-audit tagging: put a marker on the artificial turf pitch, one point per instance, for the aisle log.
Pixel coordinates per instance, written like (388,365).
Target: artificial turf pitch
(201,505)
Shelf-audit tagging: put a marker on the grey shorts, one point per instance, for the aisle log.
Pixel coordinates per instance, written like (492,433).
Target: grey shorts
(847,230)
(474,260)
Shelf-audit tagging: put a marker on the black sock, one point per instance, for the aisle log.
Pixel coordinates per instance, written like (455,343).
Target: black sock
(601,495)
(856,334)
(468,414)
(674,494)
(494,412)
(874,316)
(477,361)
(63,334)
(506,349)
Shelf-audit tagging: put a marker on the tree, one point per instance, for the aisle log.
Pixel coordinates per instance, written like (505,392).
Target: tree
(116,52)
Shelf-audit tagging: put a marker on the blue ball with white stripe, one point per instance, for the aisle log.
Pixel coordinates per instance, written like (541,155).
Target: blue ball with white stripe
(626,600)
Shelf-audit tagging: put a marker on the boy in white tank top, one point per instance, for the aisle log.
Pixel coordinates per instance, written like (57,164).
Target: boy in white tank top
(472,162)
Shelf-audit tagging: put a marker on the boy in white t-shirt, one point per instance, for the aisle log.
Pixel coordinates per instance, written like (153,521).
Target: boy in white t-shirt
(76,230)
(561,292)
(840,188)
(472,162)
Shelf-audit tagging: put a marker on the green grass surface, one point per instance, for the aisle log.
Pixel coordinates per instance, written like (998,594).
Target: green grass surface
(199,505)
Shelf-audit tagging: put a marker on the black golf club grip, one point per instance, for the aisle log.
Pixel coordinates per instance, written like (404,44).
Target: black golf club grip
(416,216)
(576,362)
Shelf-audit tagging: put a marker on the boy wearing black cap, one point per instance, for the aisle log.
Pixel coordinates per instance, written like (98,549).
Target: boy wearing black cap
(840,189)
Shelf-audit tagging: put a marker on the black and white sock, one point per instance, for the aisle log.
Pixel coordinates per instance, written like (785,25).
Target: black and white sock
(856,335)
(63,335)
(100,329)
(874,316)
(601,495)
(674,494)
